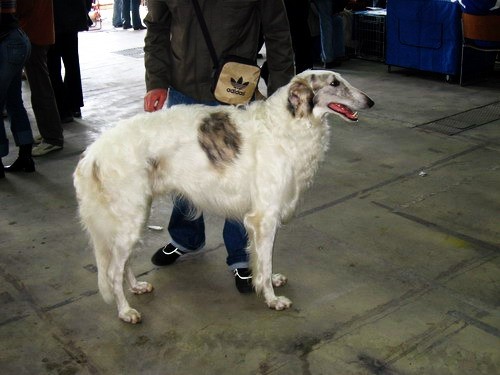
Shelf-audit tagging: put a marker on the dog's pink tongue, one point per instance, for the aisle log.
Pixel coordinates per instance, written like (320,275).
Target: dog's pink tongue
(343,110)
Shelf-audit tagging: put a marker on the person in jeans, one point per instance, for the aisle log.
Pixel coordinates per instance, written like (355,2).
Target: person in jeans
(179,71)
(14,51)
(331,27)
(117,19)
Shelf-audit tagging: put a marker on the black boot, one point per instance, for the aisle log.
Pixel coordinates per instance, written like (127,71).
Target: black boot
(24,162)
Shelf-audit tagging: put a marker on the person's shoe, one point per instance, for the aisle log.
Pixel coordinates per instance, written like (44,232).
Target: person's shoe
(24,161)
(44,148)
(77,114)
(37,139)
(243,280)
(332,64)
(126,26)
(67,119)
(22,164)
(167,255)
(142,27)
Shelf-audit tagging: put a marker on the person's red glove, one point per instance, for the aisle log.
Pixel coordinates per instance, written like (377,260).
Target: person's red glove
(155,99)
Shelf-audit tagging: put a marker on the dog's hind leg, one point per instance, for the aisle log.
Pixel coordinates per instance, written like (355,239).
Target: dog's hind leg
(111,258)
(116,272)
(261,230)
(127,232)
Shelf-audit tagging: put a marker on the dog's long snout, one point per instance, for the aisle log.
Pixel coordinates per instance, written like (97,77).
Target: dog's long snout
(364,100)
(370,103)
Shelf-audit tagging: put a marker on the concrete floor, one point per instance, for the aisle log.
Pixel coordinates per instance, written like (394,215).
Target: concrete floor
(391,272)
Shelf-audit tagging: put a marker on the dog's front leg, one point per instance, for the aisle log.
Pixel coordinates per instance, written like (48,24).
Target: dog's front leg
(137,287)
(261,230)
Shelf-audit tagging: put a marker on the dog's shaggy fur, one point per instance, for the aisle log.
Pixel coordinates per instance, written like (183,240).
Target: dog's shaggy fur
(249,163)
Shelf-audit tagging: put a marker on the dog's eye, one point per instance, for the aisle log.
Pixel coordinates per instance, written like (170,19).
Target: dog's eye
(335,83)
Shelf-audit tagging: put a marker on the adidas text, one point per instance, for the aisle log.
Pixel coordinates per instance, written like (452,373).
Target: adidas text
(234,91)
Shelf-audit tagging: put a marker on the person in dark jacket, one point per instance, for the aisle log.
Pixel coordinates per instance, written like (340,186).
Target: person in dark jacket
(298,13)
(70,17)
(179,71)
(14,51)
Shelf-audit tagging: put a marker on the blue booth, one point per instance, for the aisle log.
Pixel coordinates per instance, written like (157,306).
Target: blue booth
(424,35)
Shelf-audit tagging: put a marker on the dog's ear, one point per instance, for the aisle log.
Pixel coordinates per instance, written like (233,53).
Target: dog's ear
(300,99)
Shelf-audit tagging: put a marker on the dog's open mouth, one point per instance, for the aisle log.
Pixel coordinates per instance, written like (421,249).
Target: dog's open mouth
(344,111)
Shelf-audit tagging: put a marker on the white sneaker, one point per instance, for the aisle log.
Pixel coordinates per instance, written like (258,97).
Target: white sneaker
(44,148)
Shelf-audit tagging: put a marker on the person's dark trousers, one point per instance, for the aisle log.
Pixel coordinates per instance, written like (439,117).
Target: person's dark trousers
(43,99)
(186,231)
(189,234)
(131,5)
(297,12)
(136,17)
(68,91)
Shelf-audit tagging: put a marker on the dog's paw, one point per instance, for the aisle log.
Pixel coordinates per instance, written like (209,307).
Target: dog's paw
(142,287)
(278,279)
(279,303)
(130,316)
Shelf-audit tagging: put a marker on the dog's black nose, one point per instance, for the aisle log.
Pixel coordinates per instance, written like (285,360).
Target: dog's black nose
(369,102)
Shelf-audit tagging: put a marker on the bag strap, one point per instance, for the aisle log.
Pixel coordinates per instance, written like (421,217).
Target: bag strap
(206,34)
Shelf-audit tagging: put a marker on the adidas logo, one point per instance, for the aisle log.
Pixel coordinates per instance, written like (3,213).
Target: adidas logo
(239,84)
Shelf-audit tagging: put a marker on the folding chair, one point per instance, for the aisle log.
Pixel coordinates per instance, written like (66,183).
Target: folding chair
(479,28)
(95,16)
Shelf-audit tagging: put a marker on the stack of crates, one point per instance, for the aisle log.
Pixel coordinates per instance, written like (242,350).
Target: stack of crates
(369,33)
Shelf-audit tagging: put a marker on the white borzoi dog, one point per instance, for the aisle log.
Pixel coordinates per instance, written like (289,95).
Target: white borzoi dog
(249,163)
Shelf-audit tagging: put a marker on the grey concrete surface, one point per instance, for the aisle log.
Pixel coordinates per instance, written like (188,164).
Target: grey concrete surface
(390,272)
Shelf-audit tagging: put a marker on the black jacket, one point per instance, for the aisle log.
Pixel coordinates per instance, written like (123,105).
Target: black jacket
(339,5)
(71,15)
(177,56)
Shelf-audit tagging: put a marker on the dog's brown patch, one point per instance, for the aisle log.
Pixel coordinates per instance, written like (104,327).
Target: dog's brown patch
(318,81)
(219,138)
(315,82)
(300,99)
(95,174)
(153,164)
